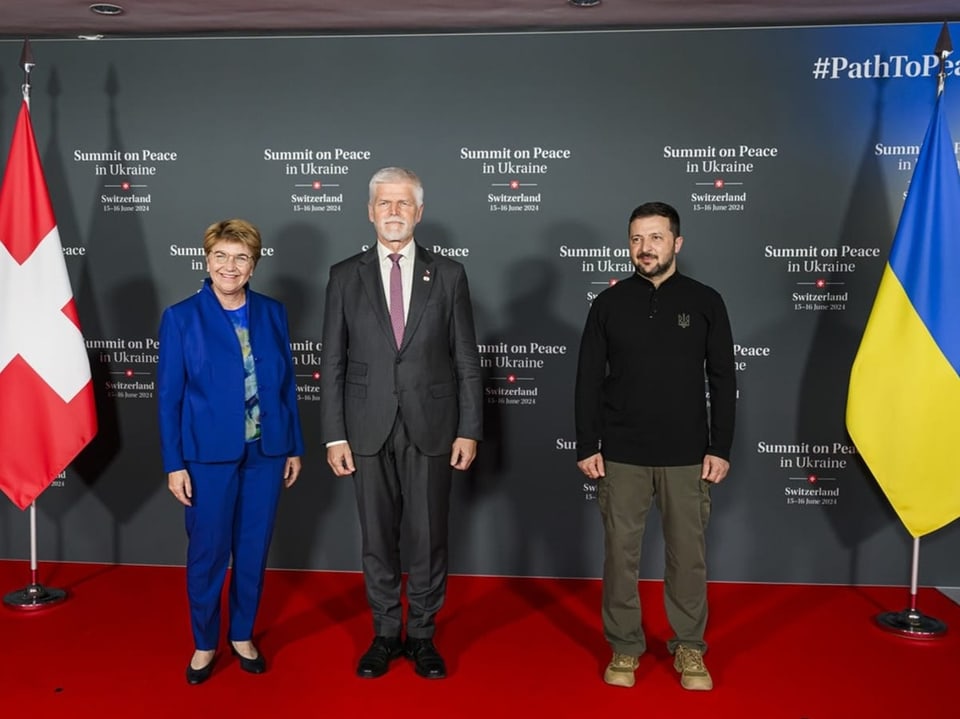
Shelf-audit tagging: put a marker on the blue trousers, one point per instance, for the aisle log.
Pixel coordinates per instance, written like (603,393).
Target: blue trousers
(233,513)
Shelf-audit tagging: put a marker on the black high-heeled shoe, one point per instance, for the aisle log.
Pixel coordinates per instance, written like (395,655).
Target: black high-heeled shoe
(199,676)
(254,666)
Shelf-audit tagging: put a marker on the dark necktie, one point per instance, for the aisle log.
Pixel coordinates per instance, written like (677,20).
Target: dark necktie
(396,299)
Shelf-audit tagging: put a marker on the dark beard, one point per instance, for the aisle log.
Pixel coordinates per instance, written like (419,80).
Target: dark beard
(657,270)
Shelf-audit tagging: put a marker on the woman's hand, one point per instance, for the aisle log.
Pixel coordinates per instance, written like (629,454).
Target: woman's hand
(179,485)
(291,471)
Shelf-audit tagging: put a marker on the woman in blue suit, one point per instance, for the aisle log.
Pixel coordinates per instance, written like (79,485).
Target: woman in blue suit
(230,436)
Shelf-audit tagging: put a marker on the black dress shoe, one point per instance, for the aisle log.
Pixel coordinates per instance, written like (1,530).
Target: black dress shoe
(427,661)
(199,676)
(375,662)
(254,666)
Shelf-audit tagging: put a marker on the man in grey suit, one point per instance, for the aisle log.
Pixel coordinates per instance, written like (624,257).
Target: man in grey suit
(401,404)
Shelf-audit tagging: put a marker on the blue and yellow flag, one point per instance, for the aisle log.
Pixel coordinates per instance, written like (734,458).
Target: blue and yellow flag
(903,404)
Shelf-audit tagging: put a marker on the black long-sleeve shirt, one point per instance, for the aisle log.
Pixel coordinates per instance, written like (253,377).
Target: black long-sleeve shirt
(644,354)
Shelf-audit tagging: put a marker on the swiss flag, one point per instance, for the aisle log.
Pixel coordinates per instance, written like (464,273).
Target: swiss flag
(47,411)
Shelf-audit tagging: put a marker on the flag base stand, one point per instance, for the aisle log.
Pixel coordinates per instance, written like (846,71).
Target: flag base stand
(34,596)
(911,623)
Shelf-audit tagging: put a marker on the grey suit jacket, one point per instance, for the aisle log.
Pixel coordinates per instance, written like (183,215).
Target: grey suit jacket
(433,378)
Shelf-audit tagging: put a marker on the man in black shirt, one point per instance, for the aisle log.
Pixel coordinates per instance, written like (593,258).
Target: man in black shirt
(645,435)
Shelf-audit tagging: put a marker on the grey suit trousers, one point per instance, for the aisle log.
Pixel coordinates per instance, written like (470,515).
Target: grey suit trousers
(401,484)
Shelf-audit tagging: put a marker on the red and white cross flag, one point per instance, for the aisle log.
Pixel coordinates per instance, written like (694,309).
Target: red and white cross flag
(47,409)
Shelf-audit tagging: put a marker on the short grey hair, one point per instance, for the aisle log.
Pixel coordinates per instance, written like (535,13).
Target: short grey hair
(397,174)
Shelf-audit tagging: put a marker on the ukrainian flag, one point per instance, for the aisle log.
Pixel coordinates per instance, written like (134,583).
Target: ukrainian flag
(903,404)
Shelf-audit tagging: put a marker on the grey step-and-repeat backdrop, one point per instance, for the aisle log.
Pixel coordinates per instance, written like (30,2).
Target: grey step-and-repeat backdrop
(787,151)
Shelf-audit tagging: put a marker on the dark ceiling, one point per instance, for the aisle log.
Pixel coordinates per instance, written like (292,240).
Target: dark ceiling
(70,18)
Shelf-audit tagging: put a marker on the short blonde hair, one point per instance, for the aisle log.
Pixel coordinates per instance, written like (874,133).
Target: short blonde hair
(234,230)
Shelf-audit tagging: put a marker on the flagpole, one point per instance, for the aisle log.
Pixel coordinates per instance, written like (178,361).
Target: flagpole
(34,595)
(911,622)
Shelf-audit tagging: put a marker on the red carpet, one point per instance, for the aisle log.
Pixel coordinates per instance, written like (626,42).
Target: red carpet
(515,648)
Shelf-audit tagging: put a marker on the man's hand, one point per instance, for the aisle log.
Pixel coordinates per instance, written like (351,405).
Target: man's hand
(714,468)
(462,453)
(592,466)
(180,487)
(340,459)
